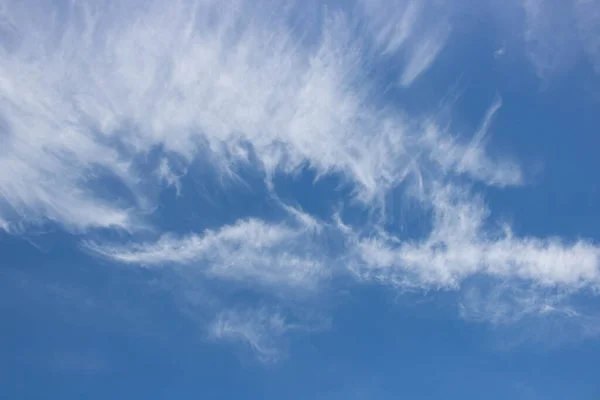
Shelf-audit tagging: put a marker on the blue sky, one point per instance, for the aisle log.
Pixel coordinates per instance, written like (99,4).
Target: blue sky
(327,200)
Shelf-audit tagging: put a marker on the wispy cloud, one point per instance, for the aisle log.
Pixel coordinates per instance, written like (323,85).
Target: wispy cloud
(250,251)
(86,98)
(462,244)
(559,34)
(4,225)
(393,26)
(470,159)
(413,31)
(100,90)
(523,314)
(423,54)
(508,302)
(261,330)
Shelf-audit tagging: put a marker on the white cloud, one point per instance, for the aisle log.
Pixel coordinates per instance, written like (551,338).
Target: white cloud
(471,159)
(461,245)
(86,95)
(558,34)
(166,173)
(508,302)
(101,89)
(259,329)
(525,315)
(251,251)
(394,25)
(549,36)
(424,53)
(5,226)
(415,30)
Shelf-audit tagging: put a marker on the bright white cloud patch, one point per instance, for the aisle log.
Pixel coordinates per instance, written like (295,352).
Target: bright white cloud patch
(88,96)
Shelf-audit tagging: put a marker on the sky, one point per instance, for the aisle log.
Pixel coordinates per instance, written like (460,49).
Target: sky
(330,199)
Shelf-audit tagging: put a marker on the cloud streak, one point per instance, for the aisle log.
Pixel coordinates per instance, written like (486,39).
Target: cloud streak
(249,252)
(460,245)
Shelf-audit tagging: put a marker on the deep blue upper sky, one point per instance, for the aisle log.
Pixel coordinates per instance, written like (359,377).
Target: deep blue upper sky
(341,200)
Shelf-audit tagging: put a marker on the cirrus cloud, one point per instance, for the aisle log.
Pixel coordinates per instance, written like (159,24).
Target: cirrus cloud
(88,96)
